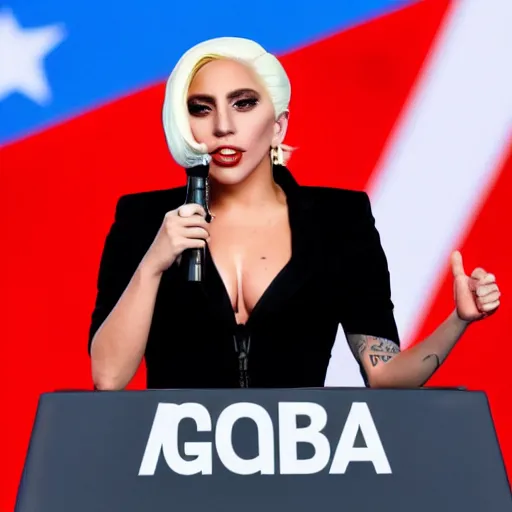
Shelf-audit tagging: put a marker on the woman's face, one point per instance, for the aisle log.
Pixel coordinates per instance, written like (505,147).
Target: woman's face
(231,112)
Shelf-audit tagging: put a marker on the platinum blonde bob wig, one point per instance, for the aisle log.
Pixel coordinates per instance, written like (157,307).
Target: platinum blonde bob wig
(185,150)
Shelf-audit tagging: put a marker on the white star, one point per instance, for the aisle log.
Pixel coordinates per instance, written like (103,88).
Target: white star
(22,52)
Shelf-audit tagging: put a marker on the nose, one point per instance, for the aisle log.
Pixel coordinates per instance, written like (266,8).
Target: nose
(223,122)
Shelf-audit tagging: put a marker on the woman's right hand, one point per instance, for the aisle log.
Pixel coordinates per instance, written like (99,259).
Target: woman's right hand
(181,229)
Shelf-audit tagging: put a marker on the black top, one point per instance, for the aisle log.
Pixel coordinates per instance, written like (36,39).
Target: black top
(337,273)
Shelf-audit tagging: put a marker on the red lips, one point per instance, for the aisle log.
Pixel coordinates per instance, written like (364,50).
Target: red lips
(227,156)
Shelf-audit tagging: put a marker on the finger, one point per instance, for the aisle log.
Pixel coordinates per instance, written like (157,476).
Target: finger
(489,298)
(473,284)
(196,233)
(194,243)
(482,291)
(487,279)
(478,273)
(187,210)
(490,306)
(194,221)
(457,265)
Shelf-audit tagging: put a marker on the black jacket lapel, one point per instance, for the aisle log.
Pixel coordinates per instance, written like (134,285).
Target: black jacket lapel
(304,260)
(300,268)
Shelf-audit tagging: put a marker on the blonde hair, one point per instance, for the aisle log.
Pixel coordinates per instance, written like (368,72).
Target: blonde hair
(183,147)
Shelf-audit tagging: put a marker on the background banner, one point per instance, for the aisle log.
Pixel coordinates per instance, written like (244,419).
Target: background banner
(408,100)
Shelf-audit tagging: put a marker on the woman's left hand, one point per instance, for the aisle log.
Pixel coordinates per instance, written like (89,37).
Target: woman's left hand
(476,296)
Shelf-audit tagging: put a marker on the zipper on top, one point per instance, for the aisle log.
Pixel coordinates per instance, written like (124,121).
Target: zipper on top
(242,343)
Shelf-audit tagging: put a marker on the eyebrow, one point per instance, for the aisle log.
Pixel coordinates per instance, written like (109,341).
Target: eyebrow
(233,95)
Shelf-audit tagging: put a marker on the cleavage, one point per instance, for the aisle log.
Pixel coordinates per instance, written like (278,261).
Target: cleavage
(248,259)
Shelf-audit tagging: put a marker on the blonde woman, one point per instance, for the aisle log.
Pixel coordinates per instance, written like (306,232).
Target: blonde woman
(285,264)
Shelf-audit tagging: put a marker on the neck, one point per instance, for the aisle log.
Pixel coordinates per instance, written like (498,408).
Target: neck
(257,190)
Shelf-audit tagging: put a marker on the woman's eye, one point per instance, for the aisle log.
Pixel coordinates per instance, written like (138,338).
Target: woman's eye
(196,109)
(246,104)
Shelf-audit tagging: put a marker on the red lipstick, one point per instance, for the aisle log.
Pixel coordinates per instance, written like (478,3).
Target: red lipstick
(227,156)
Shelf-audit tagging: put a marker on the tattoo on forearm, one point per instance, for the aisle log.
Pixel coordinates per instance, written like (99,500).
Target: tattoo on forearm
(436,357)
(361,345)
(380,349)
(376,358)
(358,344)
(385,346)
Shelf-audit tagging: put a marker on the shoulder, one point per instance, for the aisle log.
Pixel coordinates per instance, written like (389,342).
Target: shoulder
(332,194)
(339,201)
(149,204)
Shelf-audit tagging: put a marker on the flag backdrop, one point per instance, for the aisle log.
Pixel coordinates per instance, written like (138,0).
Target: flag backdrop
(409,100)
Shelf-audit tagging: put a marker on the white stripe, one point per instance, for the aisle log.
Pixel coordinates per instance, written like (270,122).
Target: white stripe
(441,159)
(445,153)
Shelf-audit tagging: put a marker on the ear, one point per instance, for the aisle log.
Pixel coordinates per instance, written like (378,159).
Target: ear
(280,127)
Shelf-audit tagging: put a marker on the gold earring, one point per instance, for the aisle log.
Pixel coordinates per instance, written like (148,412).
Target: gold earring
(277,155)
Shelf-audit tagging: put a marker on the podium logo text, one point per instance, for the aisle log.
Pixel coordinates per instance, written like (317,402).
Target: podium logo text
(163,438)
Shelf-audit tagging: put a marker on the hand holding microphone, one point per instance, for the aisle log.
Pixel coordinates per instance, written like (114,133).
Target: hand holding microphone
(184,231)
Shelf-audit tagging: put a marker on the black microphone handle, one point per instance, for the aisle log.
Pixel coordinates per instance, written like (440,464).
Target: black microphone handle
(193,259)
(193,262)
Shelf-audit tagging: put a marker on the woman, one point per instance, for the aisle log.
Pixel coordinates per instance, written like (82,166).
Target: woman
(285,264)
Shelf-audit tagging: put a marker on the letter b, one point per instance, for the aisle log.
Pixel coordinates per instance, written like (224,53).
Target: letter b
(290,436)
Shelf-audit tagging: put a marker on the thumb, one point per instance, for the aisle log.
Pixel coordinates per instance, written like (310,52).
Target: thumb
(457,266)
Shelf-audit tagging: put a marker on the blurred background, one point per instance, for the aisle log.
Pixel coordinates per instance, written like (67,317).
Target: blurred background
(408,100)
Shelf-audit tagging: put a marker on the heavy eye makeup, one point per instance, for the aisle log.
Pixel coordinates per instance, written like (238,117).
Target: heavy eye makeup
(242,101)
(197,109)
(246,103)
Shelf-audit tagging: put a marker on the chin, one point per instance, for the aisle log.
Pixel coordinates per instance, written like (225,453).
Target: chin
(228,175)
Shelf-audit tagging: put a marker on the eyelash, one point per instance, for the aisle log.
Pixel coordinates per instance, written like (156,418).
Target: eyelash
(249,102)
(245,104)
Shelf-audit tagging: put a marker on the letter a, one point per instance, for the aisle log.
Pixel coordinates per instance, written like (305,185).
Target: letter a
(360,417)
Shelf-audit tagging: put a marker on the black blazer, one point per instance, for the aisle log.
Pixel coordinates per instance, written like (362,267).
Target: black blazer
(337,273)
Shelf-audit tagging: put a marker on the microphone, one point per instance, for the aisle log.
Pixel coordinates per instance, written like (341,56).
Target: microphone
(193,259)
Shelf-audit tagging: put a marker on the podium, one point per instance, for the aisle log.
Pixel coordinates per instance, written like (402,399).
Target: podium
(269,450)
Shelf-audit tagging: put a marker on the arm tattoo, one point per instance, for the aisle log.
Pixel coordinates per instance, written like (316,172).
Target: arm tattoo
(438,364)
(376,358)
(360,345)
(380,349)
(430,356)
(384,345)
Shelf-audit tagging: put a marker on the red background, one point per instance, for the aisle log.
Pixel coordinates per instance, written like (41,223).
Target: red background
(58,191)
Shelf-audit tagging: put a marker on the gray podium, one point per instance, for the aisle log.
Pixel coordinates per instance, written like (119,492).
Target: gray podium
(253,450)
